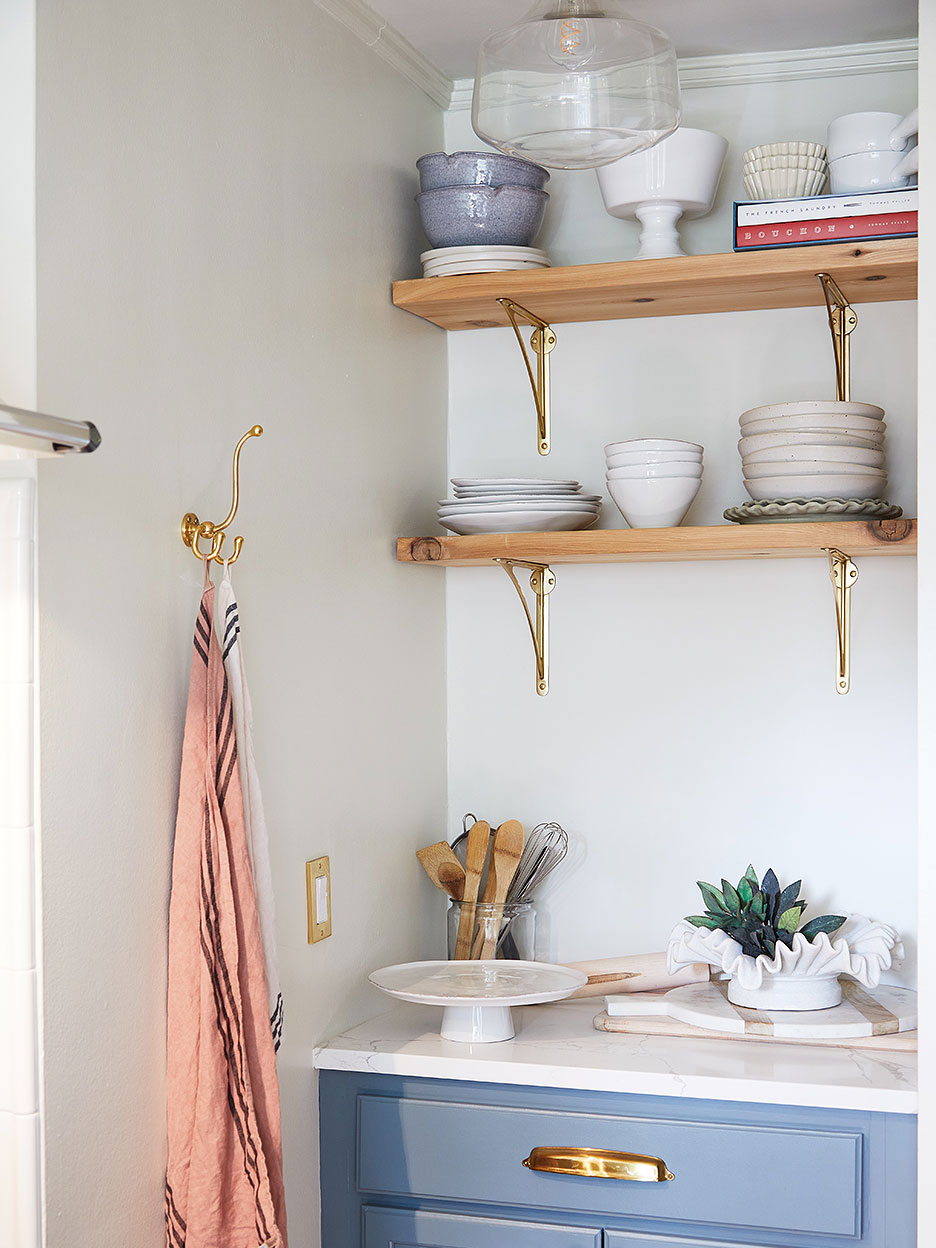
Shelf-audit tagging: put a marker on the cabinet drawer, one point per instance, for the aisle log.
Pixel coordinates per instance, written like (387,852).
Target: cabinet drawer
(414,1228)
(806,1180)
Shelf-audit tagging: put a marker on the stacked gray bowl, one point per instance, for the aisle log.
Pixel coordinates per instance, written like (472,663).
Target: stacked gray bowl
(486,199)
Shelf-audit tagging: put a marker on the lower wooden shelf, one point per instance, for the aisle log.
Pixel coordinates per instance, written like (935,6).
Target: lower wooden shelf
(723,541)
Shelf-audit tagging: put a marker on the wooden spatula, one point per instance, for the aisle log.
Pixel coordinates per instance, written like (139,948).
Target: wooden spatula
(443,868)
(505,856)
(476,851)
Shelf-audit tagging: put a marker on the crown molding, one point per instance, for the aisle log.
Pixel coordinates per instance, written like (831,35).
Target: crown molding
(391,47)
(740,69)
(724,70)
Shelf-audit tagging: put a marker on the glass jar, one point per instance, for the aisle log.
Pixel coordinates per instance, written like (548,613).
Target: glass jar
(489,931)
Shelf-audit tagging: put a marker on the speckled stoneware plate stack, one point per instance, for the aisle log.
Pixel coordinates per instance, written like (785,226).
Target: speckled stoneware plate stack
(815,459)
(517,505)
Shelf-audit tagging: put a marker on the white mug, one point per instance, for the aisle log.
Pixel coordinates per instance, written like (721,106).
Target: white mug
(870,132)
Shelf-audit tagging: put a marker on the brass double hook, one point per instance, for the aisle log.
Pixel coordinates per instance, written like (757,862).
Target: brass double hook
(193,528)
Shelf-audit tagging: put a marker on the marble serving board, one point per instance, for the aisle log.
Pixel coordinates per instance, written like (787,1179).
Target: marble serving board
(882,1018)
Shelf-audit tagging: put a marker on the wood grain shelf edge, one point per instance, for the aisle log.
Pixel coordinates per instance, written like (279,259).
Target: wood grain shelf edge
(868,272)
(725,541)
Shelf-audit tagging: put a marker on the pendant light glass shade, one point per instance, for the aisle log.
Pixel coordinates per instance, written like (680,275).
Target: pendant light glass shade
(575,84)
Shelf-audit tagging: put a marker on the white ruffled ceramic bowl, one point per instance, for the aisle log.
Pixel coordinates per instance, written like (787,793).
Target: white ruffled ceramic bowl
(802,978)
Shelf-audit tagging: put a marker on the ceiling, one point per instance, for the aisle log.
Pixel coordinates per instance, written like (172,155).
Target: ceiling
(448,33)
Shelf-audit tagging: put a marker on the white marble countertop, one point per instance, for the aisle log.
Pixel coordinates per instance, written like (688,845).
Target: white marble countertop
(557,1047)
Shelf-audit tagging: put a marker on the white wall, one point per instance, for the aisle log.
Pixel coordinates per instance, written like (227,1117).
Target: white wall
(692,724)
(224,192)
(20,1185)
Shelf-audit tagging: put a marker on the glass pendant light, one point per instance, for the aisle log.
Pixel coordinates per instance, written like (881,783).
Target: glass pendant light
(576,84)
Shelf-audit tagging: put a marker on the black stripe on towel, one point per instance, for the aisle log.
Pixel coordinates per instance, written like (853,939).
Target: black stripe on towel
(230,644)
(276,1022)
(229,1023)
(175,1223)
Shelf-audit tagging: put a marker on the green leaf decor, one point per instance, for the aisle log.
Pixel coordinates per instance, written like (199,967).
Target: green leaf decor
(759,914)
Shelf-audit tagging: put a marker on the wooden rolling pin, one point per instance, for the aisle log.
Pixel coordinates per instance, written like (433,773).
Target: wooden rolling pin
(641,972)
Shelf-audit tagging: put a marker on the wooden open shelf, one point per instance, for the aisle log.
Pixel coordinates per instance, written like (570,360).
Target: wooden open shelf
(872,272)
(857,538)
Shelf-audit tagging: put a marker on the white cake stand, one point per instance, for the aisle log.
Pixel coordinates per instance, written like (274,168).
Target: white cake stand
(476,996)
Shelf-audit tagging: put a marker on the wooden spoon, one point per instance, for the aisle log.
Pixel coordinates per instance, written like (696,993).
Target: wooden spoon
(476,852)
(505,857)
(443,868)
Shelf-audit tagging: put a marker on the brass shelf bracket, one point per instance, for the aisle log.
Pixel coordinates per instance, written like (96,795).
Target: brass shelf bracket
(193,528)
(843,573)
(842,320)
(542,341)
(542,583)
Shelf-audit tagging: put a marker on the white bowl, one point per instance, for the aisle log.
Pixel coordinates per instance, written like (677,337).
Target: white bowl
(788,147)
(637,472)
(813,454)
(809,468)
(761,441)
(859,485)
(758,163)
(651,444)
(811,407)
(677,176)
(654,503)
(625,458)
(784,183)
(873,429)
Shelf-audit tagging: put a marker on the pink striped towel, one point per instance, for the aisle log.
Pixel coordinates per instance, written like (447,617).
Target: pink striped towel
(224,1180)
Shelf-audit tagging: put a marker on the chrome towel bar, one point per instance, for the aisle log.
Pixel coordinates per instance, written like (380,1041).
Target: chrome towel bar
(26,429)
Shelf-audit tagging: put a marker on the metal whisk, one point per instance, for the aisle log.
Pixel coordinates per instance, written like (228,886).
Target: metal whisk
(545,848)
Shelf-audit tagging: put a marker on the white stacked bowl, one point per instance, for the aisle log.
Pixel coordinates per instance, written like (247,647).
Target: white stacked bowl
(787,170)
(822,449)
(653,481)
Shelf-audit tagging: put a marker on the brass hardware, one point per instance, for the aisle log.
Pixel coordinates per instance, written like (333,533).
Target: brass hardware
(842,320)
(843,574)
(193,528)
(318,898)
(598,1163)
(542,582)
(542,340)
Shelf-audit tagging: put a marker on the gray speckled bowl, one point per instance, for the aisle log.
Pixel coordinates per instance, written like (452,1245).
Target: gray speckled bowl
(478,169)
(465,216)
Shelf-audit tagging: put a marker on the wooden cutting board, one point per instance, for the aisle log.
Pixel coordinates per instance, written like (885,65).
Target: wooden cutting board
(758,1025)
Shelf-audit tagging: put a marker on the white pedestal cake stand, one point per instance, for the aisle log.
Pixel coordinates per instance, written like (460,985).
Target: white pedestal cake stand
(476,996)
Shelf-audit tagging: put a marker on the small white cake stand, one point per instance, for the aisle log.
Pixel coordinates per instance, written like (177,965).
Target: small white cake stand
(476,996)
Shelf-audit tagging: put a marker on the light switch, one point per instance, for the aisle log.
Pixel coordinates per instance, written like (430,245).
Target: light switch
(318,898)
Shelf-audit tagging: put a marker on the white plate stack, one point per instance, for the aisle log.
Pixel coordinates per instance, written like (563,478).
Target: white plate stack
(517,505)
(450,261)
(813,449)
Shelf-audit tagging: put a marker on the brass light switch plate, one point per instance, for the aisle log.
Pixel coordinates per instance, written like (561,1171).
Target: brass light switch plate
(318,899)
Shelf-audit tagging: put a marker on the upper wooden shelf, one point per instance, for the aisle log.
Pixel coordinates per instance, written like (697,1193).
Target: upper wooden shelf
(723,541)
(873,272)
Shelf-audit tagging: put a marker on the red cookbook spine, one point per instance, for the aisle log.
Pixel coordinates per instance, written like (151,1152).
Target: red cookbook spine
(834,229)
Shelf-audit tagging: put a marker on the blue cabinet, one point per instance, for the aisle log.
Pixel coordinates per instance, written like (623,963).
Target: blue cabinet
(406,1228)
(423,1163)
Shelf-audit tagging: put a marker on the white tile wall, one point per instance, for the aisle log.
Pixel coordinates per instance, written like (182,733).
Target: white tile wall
(20,1198)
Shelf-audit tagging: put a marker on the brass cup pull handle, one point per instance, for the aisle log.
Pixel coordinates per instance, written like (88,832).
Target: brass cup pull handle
(598,1163)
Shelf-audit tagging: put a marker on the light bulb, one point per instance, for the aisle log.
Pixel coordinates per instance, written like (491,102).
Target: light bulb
(571,40)
(576,84)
